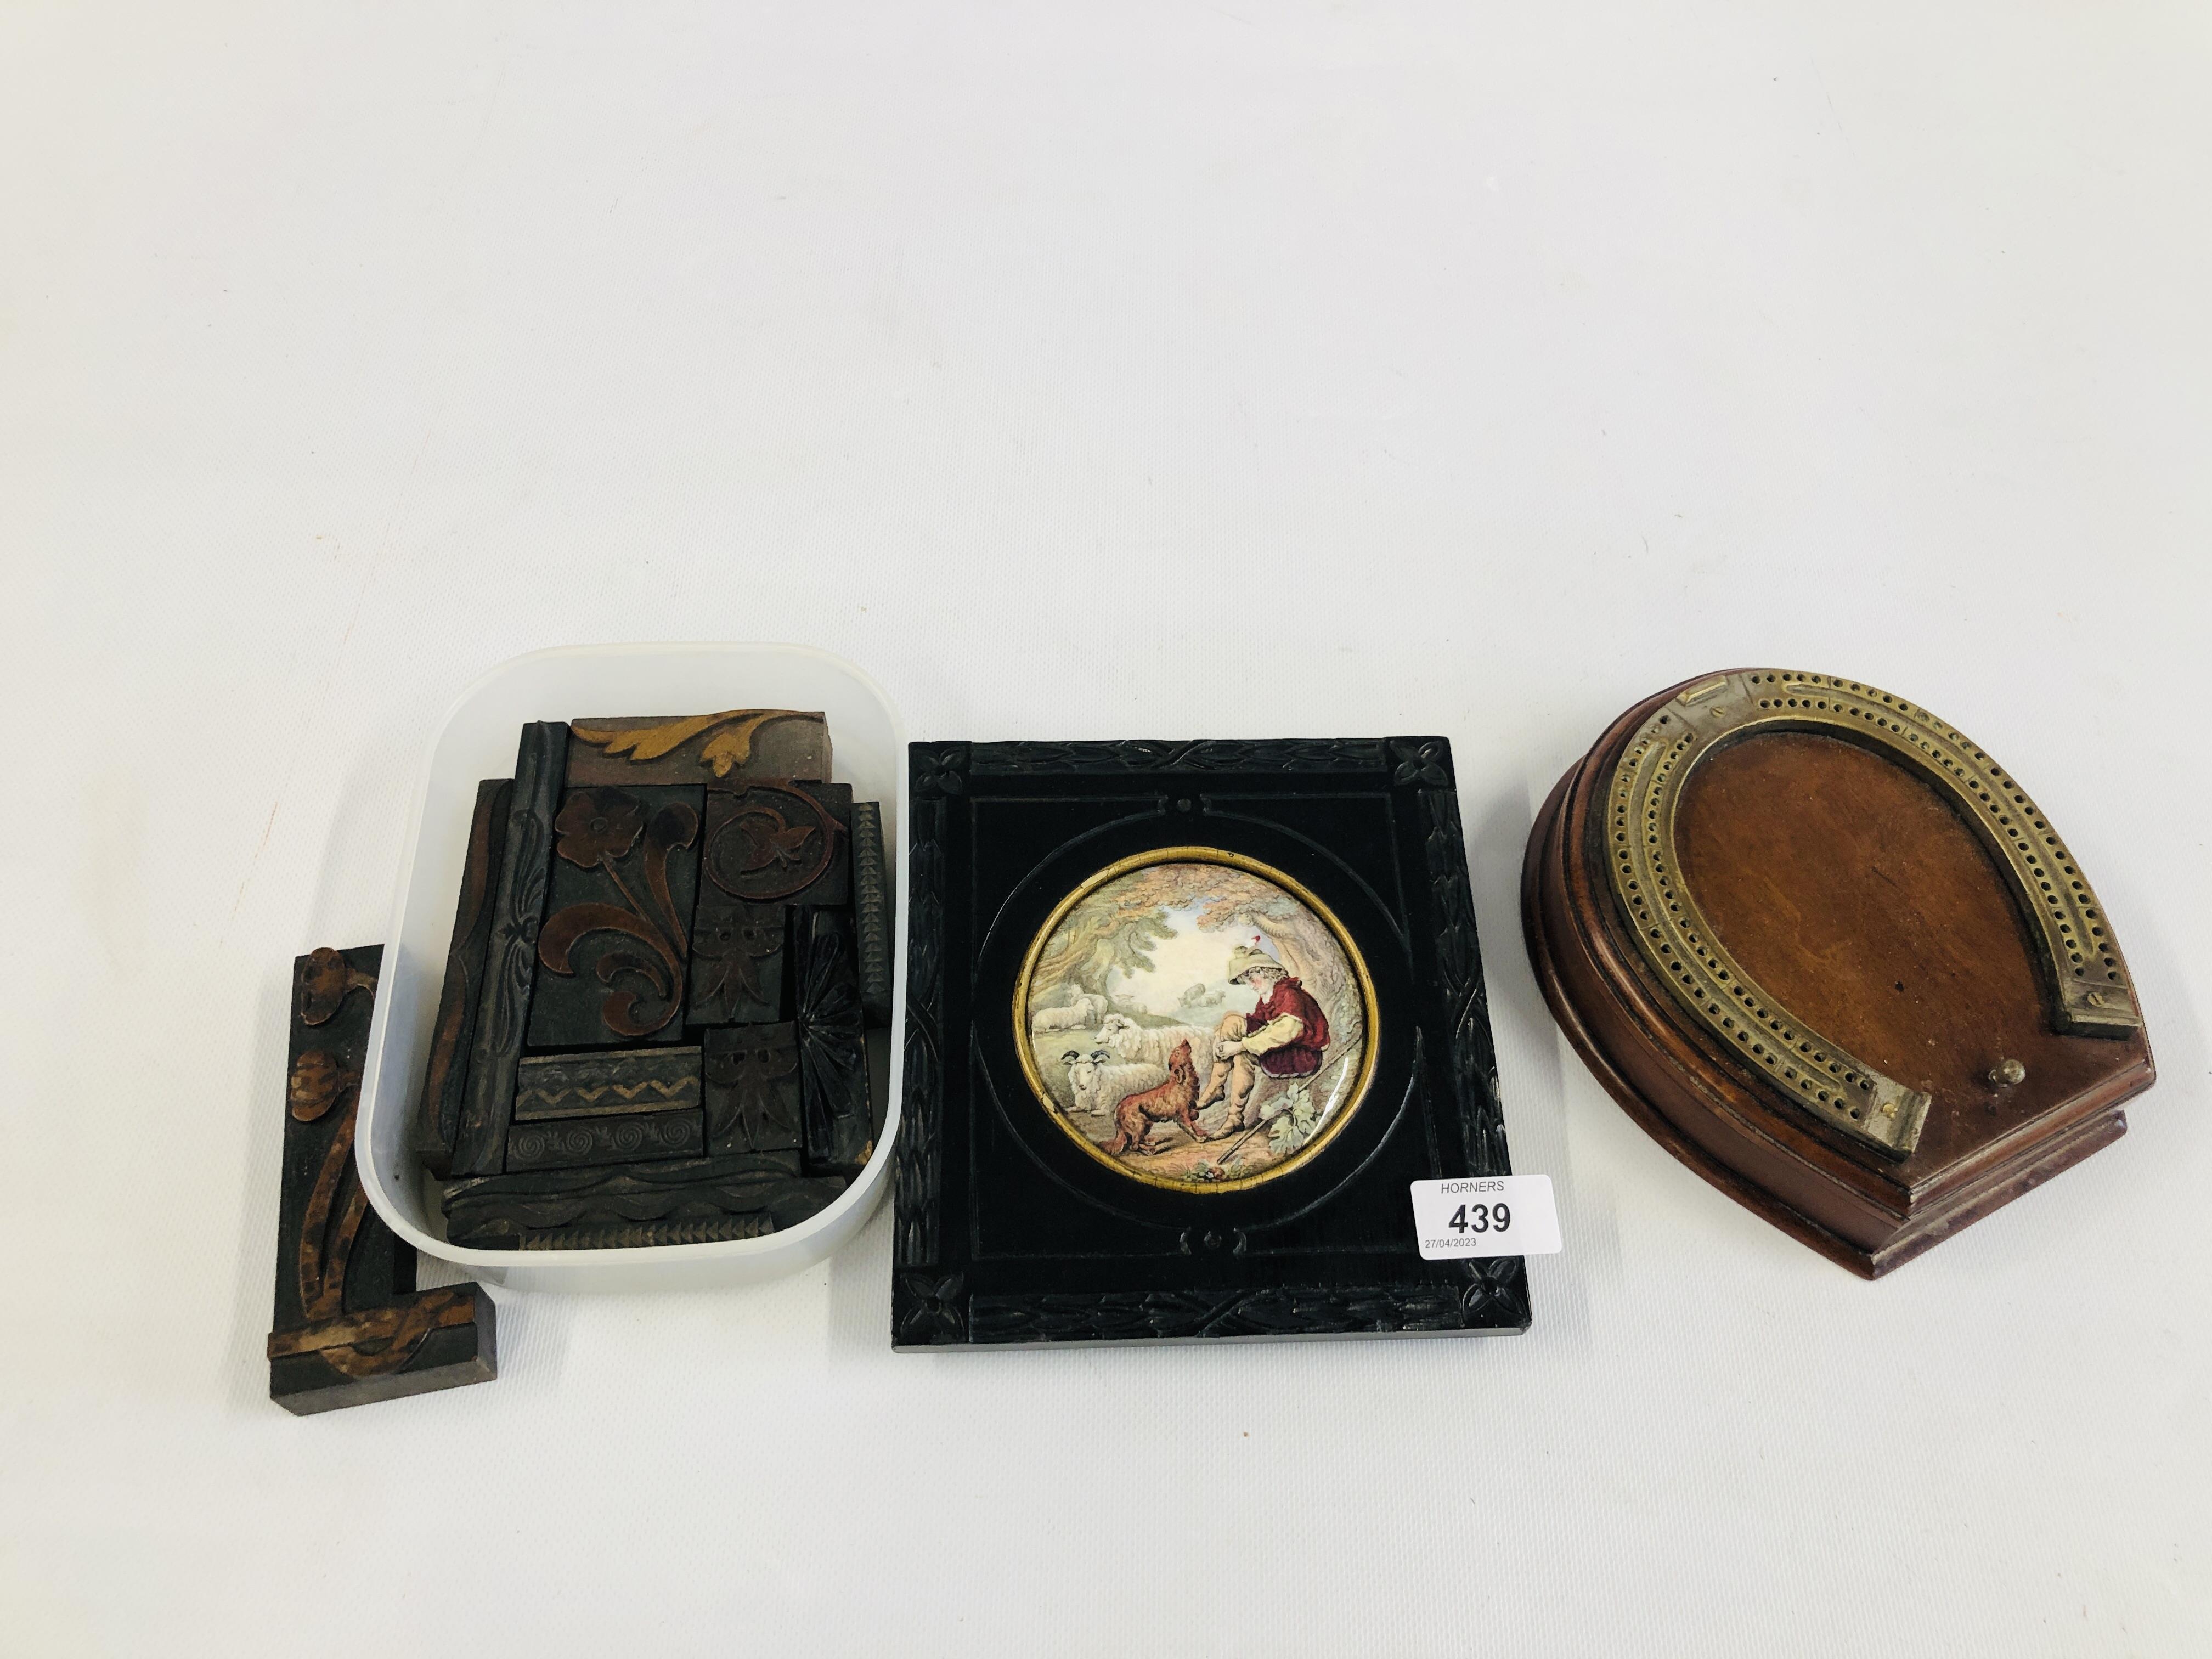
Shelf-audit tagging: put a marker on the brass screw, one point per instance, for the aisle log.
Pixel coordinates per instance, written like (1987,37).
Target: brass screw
(2007,1073)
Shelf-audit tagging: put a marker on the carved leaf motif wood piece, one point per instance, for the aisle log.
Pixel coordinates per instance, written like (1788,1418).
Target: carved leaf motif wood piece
(349,1326)
(1832,955)
(752,1089)
(735,744)
(781,842)
(737,963)
(990,1248)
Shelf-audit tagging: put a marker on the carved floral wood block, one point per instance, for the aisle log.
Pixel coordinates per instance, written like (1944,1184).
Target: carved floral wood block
(737,963)
(780,844)
(349,1327)
(752,1088)
(614,953)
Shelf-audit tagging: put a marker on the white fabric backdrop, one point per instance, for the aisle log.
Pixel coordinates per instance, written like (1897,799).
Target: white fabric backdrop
(1085,371)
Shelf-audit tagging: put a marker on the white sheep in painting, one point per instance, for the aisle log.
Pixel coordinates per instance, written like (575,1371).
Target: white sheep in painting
(1060,1019)
(1126,1040)
(1100,1085)
(1077,1068)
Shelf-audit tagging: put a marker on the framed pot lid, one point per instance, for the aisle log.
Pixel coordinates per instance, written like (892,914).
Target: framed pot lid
(1186,1022)
(1832,954)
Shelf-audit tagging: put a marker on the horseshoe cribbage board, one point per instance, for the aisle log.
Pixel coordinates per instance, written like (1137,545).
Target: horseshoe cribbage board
(1830,954)
(1184,1021)
(652,1026)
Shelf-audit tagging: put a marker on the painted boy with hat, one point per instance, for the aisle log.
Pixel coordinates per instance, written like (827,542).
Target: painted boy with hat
(1283,1036)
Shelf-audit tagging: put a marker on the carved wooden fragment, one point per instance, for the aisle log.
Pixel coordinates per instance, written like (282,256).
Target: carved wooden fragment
(777,843)
(446,1079)
(751,1074)
(511,953)
(578,1142)
(737,963)
(833,1053)
(871,911)
(729,749)
(349,1327)
(613,954)
(677,1200)
(606,1085)
(621,1107)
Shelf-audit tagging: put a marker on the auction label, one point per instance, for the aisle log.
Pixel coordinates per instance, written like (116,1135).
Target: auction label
(1475,1216)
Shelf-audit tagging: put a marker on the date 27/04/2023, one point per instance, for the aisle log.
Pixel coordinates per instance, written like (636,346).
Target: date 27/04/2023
(1486,1216)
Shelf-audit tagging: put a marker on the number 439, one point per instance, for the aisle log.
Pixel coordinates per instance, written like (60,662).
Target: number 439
(1481,1219)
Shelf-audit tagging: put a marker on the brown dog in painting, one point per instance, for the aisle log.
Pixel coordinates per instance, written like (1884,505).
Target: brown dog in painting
(1169,1103)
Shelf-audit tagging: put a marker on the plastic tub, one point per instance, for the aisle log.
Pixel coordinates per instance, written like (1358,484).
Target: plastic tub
(478,740)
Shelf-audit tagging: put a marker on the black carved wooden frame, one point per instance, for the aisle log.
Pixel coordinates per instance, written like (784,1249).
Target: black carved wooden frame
(1196,1273)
